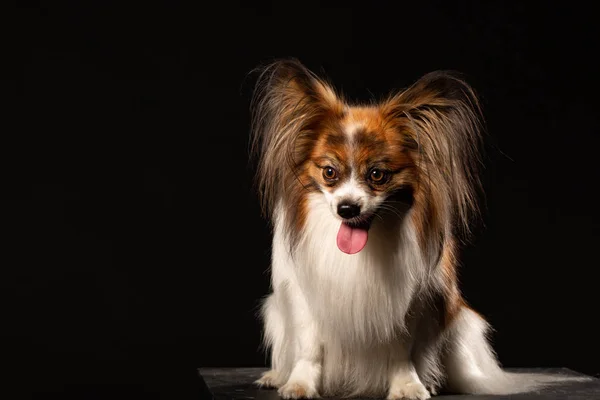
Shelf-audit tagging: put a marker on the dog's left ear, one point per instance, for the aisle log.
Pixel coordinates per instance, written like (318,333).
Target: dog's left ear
(440,120)
(440,113)
(442,92)
(440,87)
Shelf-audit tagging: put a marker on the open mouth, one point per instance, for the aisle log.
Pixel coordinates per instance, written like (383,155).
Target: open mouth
(353,234)
(362,222)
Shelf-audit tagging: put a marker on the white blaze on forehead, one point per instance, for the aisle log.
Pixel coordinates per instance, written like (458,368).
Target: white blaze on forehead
(351,128)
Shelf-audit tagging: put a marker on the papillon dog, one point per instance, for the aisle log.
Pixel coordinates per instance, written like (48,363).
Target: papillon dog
(368,205)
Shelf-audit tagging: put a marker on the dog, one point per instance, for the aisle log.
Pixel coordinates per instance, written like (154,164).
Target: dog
(369,204)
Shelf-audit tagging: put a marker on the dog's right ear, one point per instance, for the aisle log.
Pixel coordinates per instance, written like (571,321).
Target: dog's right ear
(291,89)
(289,102)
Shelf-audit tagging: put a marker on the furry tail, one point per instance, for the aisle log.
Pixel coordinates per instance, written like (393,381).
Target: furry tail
(472,367)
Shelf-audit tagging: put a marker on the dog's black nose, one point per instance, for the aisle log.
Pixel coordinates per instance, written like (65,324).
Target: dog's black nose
(348,210)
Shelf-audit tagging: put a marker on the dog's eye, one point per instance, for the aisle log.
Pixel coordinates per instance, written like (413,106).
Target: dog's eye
(377,176)
(329,173)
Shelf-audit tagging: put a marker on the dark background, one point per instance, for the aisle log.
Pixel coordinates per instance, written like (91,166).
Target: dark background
(140,239)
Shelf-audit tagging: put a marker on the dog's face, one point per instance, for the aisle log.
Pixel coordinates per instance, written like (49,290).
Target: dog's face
(359,163)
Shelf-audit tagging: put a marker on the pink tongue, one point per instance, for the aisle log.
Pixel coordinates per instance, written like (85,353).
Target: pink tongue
(351,240)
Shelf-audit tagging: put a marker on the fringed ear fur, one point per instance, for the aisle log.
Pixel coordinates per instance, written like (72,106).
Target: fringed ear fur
(441,116)
(288,101)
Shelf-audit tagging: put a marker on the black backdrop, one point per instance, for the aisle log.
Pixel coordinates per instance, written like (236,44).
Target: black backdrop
(140,236)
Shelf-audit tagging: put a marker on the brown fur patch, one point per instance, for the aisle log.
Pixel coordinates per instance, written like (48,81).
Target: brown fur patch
(361,139)
(453,298)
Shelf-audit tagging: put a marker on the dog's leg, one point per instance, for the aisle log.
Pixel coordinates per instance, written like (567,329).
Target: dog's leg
(276,340)
(306,373)
(404,380)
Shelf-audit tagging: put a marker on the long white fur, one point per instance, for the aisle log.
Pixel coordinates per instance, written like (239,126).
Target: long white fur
(337,323)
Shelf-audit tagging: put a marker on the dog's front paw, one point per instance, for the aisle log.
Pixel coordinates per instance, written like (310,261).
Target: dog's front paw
(432,390)
(268,379)
(298,390)
(409,391)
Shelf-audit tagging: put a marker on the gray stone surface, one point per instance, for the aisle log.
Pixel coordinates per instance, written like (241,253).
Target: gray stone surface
(236,383)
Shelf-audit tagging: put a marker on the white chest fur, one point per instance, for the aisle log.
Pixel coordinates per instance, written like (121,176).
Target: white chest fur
(361,298)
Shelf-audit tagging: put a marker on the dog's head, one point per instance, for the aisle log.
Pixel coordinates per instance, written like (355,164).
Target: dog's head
(415,148)
(359,162)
